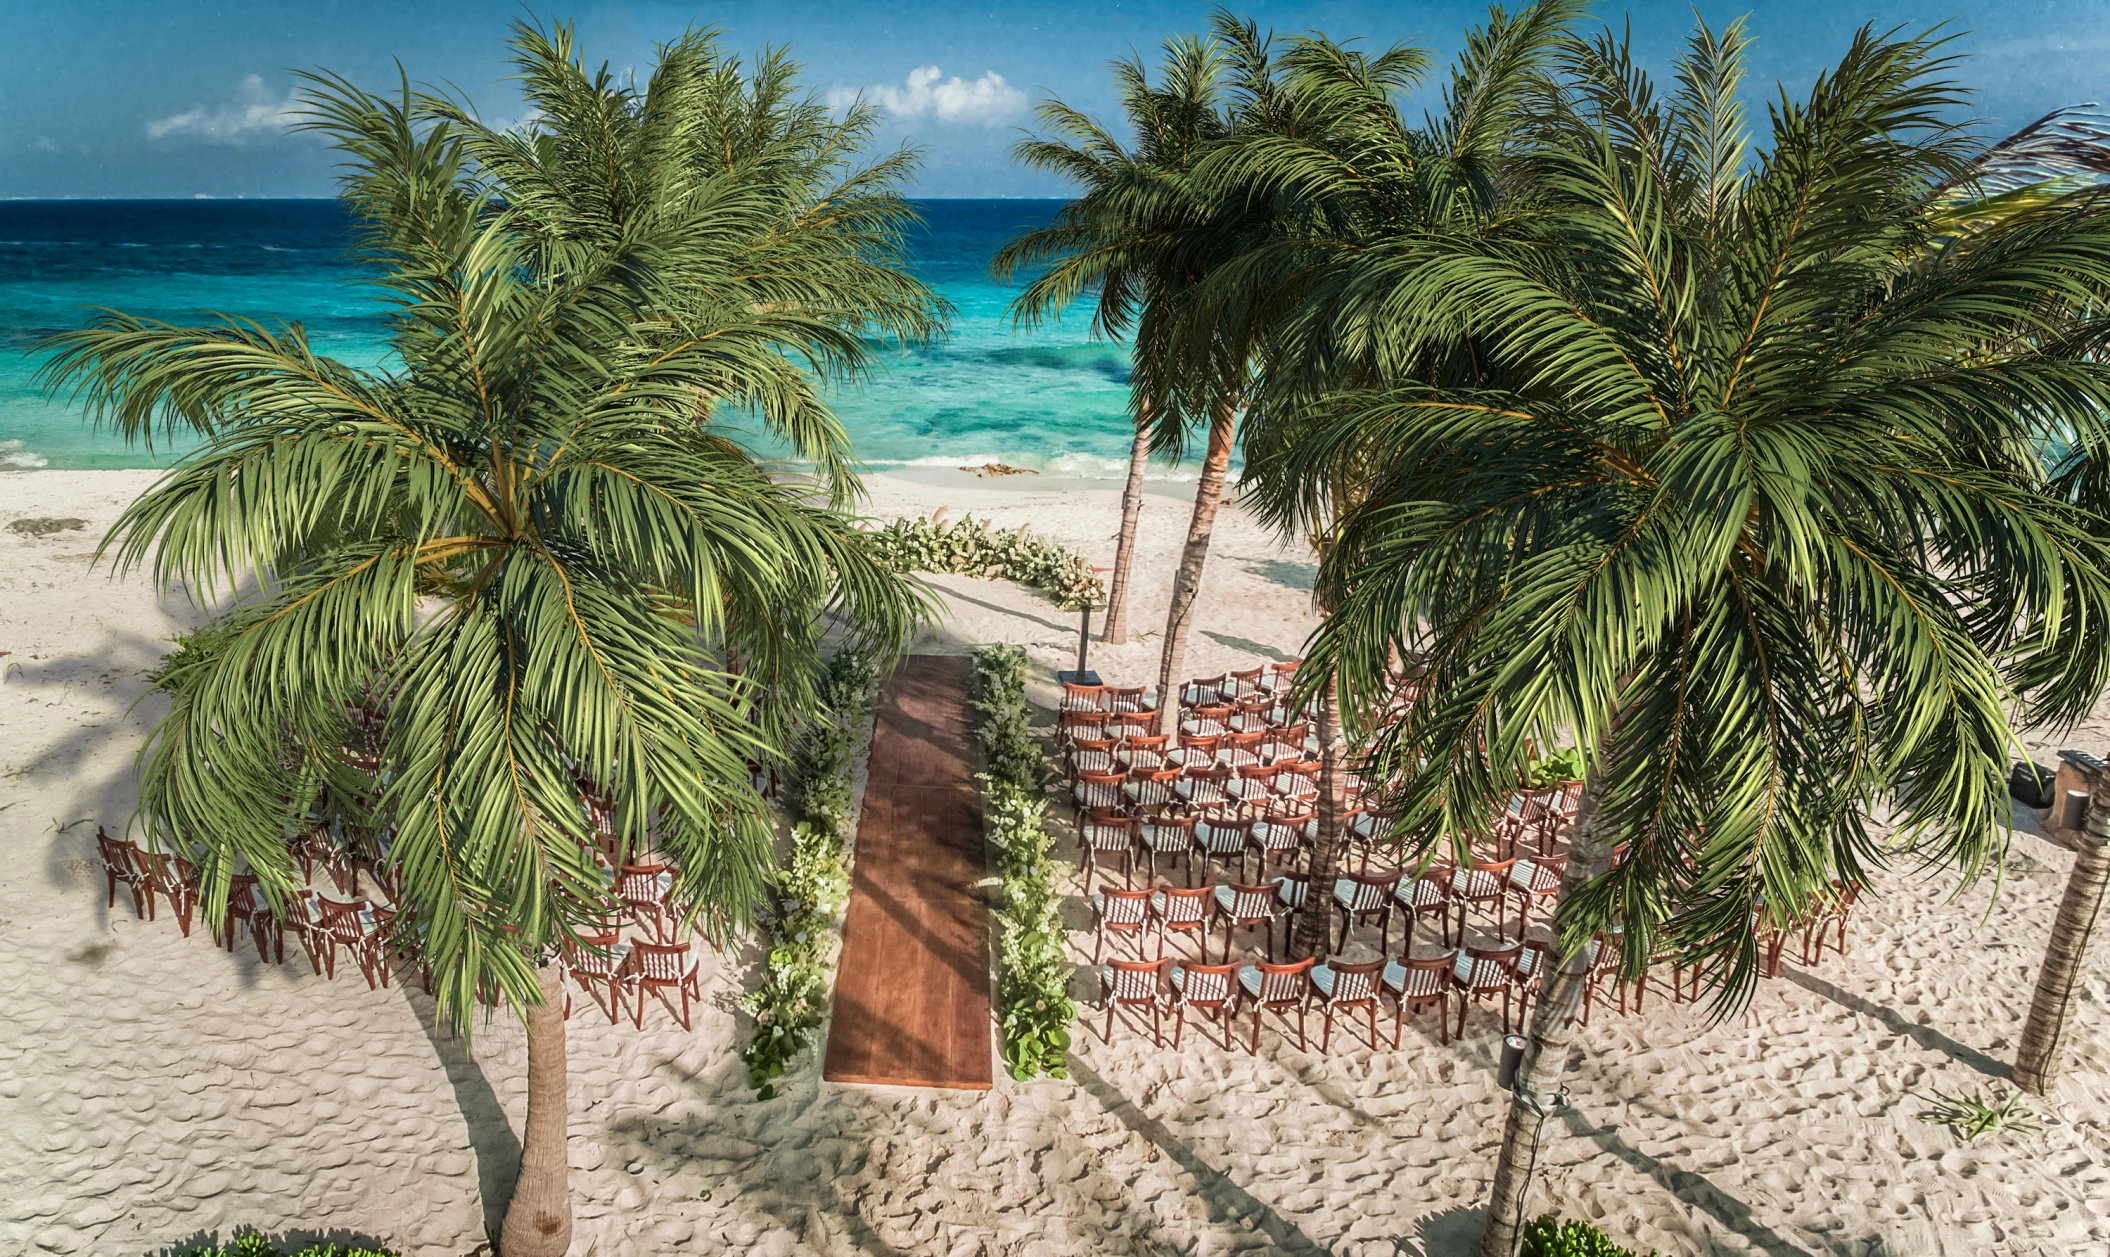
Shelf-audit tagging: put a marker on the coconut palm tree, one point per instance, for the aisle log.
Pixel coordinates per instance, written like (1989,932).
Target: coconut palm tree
(1346,180)
(1136,238)
(1738,494)
(530,540)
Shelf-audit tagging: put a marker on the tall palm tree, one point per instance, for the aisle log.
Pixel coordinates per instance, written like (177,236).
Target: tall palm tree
(1136,238)
(530,540)
(1346,181)
(1739,495)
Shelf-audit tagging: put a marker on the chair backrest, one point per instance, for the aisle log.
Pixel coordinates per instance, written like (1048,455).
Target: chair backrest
(340,919)
(1356,981)
(1220,833)
(1101,789)
(659,962)
(1107,830)
(1181,906)
(1083,697)
(1200,749)
(1091,755)
(1131,694)
(1249,676)
(1368,891)
(640,882)
(1168,833)
(1426,976)
(1206,984)
(116,853)
(1142,723)
(1489,968)
(1134,981)
(1531,963)
(1080,724)
(1252,903)
(1482,879)
(1285,669)
(1278,831)
(1203,690)
(1538,874)
(1245,741)
(1123,909)
(1281,984)
(1146,751)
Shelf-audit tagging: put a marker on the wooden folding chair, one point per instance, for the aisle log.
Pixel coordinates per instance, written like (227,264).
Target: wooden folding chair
(1360,897)
(1417,897)
(1347,986)
(1416,984)
(656,969)
(1278,989)
(598,958)
(1133,984)
(1166,834)
(1480,972)
(1213,989)
(1120,912)
(1531,880)
(1242,907)
(1184,911)
(120,866)
(1105,831)
(1484,886)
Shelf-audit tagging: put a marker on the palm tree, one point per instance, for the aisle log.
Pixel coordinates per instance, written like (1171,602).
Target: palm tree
(1738,494)
(1138,237)
(530,541)
(1347,180)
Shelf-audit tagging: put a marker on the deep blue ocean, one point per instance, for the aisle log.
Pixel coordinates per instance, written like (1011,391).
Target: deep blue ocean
(1051,399)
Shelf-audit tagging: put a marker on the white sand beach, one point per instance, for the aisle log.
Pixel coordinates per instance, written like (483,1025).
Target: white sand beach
(155,1089)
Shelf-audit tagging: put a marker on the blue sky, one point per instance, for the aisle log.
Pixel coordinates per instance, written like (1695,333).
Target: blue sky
(167,98)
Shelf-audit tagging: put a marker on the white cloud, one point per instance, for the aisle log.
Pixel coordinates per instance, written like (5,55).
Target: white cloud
(256,113)
(987,101)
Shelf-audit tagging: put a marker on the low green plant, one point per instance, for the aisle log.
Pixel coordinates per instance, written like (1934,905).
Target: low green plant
(970,547)
(1550,1236)
(812,888)
(1033,987)
(1562,764)
(253,1244)
(1971,1117)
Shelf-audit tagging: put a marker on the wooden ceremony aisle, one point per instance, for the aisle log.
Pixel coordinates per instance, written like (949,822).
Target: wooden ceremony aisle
(912,988)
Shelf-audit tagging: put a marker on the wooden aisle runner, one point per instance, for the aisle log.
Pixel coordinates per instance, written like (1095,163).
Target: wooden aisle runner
(912,988)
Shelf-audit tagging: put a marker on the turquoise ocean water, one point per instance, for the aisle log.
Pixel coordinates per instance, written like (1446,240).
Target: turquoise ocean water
(1051,400)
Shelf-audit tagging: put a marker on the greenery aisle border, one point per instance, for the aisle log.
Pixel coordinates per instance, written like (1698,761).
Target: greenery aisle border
(1034,974)
(971,547)
(812,889)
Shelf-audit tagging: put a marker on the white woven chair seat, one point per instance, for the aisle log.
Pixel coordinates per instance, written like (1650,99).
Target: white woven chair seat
(1166,839)
(1334,985)
(1426,982)
(1481,975)
(1536,878)
(1475,883)
(1246,905)
(1091,761)
(1278,986)
(1220,839)
(1106,837)
(1204,988)
(1180,911)
(1275,836)
(1129,984)
(1358,896)
(1096,794)
(1202,728)
(1124,911)
(1419,893)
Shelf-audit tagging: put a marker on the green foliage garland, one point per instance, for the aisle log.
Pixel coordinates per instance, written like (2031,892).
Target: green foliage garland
(252,1244)
(812,888)
(1033,991)
(971,547)
(1548,1236)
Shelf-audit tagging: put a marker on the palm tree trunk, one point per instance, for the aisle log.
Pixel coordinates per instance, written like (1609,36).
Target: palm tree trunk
(1208,496)
(538,1222)
(1552,1027)
(1116,631)
(2066,957)
(1309,937)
